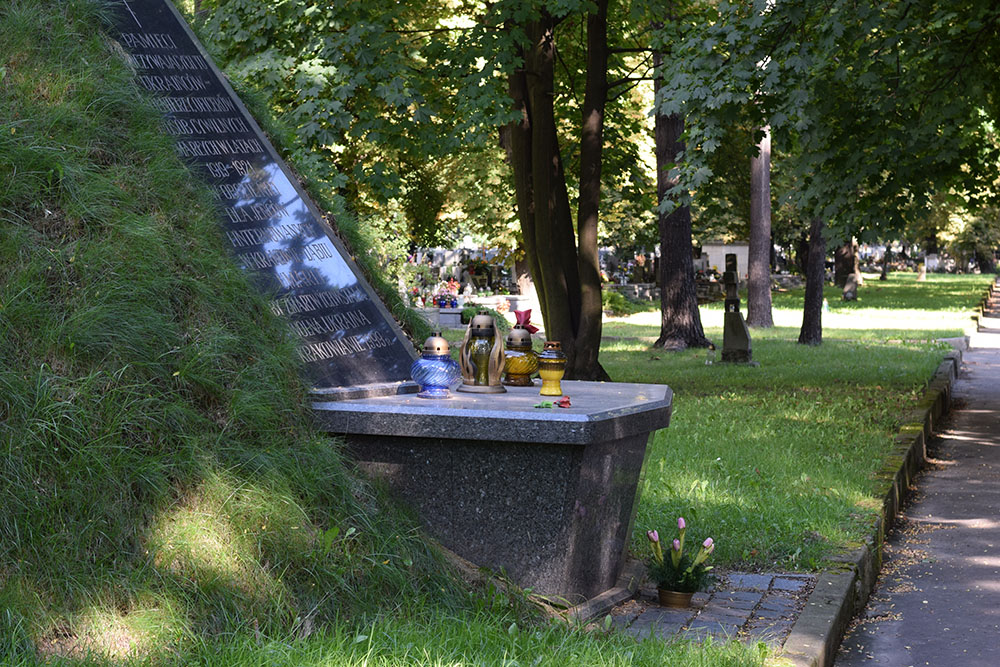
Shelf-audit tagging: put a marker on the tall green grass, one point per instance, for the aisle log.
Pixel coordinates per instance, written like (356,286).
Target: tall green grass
(157,464)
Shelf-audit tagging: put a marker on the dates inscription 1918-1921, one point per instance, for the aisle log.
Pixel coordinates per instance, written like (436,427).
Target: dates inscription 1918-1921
(347,337)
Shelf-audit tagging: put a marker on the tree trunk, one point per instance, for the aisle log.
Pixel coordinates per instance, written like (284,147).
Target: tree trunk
(802,252)
(543,205)
(812,308)
(846,264)
(843,263)
(522,276)
(680,319)
(931,244)
(759,262)
(984,259)
(588,342)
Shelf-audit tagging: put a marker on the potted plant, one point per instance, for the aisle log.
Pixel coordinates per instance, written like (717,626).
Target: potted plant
(678,576)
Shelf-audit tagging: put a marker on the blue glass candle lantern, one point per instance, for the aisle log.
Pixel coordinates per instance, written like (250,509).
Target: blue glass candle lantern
(435,371)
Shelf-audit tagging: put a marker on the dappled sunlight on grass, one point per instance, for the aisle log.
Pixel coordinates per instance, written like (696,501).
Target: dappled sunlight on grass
(142,630)
(195,541)
(898,309)
(471,640)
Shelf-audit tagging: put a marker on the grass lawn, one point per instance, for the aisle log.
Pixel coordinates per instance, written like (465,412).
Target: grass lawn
(777,462)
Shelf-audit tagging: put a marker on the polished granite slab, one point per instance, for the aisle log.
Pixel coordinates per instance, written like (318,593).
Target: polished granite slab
(599,410)
(274,231)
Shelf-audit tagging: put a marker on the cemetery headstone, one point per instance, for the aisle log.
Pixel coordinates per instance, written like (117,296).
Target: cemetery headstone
(347,337)
(735,335)
(850,292)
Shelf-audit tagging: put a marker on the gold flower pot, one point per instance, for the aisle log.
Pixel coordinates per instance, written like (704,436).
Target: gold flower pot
(674,599)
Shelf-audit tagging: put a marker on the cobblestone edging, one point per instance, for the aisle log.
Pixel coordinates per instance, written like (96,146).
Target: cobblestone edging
(841,594)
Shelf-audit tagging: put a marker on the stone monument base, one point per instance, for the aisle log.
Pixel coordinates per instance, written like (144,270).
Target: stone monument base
(546,495)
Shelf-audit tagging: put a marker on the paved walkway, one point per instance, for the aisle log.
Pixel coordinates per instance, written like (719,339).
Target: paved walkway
(740,606)
(937,601)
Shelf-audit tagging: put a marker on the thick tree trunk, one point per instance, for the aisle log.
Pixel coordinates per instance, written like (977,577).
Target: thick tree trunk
(588,342)
(759,269)
(680,319)
(522,276)
(543,202)
(812,308)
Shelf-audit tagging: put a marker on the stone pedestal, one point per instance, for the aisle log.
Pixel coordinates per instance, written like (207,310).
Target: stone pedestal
(547,495)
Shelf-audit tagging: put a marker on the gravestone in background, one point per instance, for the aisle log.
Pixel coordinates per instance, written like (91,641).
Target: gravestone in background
(347,337)
(735,335)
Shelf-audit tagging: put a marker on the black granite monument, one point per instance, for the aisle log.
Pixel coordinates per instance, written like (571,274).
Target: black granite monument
(348,338)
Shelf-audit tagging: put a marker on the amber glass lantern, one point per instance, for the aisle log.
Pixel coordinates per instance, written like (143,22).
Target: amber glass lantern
(520,360)
(482,357)
(551,368)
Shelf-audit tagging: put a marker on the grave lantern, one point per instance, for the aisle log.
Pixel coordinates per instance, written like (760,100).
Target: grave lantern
(521,361)
(482,357)
(435,371)
(551,368)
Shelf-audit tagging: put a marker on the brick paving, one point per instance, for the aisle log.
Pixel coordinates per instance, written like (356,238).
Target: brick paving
(744,606)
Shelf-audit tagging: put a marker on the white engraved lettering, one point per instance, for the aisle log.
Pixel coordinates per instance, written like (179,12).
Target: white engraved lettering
(314,326)
(303,303)
(343,346)
(148,40)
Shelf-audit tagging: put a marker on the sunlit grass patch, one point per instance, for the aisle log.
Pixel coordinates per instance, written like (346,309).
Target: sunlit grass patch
(454,641)
(778,462)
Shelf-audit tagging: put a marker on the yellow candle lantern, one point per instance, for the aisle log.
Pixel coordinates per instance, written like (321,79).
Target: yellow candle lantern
(551,368)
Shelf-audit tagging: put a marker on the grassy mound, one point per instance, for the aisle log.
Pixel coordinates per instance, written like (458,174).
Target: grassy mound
(159,475)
